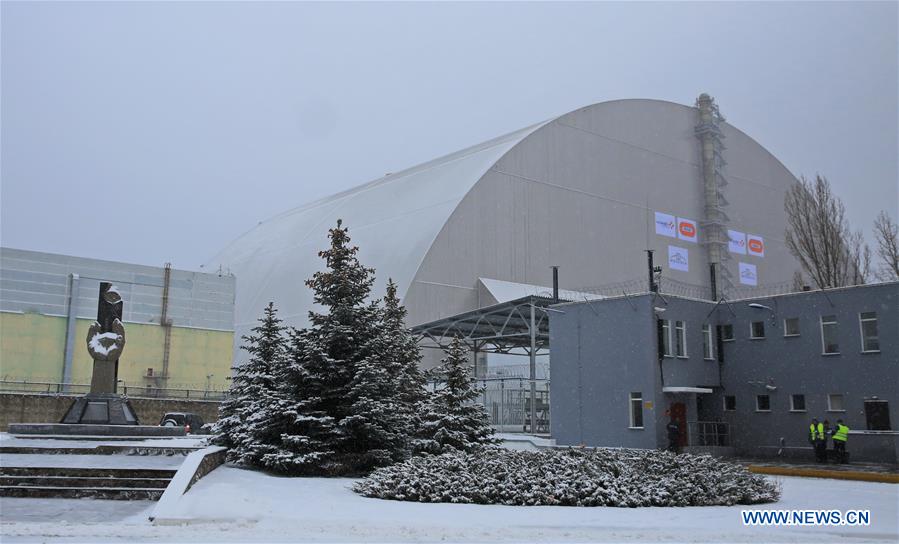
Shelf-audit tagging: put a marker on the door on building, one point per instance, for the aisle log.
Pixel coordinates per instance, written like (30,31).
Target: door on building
(877,415)
(678,412)
(705,408)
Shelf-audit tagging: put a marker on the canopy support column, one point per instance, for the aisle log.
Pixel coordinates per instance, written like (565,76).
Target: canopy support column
(533,371)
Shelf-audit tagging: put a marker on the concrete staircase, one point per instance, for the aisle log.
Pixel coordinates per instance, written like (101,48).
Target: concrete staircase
(76,483)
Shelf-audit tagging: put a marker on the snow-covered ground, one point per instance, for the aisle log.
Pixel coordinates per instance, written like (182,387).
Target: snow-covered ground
(234,505)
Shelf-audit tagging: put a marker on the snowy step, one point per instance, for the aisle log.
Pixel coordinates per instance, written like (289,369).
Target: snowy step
(82,472)
(83,481)
(114,493)
(130,462)
(98,450)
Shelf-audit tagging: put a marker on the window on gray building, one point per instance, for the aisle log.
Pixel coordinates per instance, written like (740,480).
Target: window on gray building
(666,338)
(730,403)
(797,403)
(835,403)
(636,410)
(757,329)
(829,342)
(868,325)
(708,350)
(680,336)
(877,415)
(727,332)
(762,403)
(791,326)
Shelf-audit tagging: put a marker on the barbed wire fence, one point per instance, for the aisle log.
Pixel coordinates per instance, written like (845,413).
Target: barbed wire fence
(669,286)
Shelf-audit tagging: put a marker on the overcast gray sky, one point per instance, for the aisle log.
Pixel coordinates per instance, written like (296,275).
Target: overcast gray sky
(152,132)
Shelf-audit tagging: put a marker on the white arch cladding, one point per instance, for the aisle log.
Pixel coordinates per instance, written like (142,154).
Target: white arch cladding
(579,192)
(393,220)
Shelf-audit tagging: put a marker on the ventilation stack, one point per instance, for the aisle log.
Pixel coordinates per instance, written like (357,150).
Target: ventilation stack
(711,145)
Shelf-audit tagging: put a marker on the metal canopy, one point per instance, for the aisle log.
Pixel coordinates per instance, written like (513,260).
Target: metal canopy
(701,390)
(494,329)
(518,324)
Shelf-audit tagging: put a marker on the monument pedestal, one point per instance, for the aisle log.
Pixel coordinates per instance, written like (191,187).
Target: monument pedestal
(101,409)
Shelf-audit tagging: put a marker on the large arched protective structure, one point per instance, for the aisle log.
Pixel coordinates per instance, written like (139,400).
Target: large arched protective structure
(580,191)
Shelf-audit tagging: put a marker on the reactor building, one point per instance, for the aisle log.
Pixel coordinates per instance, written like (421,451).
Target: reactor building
(589,191)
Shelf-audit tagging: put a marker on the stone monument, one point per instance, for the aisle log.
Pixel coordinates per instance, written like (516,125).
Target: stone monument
(105,343)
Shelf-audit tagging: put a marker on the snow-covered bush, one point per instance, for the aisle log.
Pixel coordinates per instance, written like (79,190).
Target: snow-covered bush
(570,477)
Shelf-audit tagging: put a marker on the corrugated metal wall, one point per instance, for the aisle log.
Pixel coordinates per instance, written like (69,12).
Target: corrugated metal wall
(35,282)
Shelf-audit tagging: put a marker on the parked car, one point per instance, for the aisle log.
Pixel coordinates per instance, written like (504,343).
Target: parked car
(184,419)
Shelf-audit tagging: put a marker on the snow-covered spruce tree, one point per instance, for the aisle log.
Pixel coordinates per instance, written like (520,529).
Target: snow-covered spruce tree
(402,352)
(378,425)
(248,424)
(341,418)
(304,444)
(387,390)
(452,420)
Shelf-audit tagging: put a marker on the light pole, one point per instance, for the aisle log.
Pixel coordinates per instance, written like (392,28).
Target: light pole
(758,306)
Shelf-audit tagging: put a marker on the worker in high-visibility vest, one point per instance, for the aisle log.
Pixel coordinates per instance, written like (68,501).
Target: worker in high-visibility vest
(818,440)
(840,437)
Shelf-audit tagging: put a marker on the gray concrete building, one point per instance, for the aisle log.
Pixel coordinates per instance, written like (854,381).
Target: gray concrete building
(587,191)
(742,377)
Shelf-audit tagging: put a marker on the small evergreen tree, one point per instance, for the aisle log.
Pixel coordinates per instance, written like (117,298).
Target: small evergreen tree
(247,423)
(452,419)
(404,354)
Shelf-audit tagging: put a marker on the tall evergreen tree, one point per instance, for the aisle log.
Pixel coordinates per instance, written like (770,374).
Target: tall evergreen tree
(387,389)
(329,362)
(247,423)
(453,420)
(343,396)
(304,445)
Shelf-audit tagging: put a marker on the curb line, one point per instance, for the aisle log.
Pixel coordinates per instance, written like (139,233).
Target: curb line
(194,467)
(882,477)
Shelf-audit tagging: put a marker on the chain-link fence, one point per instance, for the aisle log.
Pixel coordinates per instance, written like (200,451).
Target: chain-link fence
(58,388)
(508,403)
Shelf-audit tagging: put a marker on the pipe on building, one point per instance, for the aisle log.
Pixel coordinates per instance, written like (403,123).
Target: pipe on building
(166,323)
(68,353)
(555,284)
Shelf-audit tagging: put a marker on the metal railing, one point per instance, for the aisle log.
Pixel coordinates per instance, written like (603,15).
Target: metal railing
(708,433)
(59,388)
(508,403)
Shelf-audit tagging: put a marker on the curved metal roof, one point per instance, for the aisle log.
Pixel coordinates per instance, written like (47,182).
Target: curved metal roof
(393,220)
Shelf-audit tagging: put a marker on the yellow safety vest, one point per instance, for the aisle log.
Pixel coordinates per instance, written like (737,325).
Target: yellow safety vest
(820,433)
(842,433)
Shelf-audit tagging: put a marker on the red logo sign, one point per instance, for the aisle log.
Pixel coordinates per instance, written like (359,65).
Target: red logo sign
(756,245)
(687,230)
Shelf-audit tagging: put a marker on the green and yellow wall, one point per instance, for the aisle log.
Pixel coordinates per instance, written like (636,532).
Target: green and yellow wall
(32,348)
(40,292)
